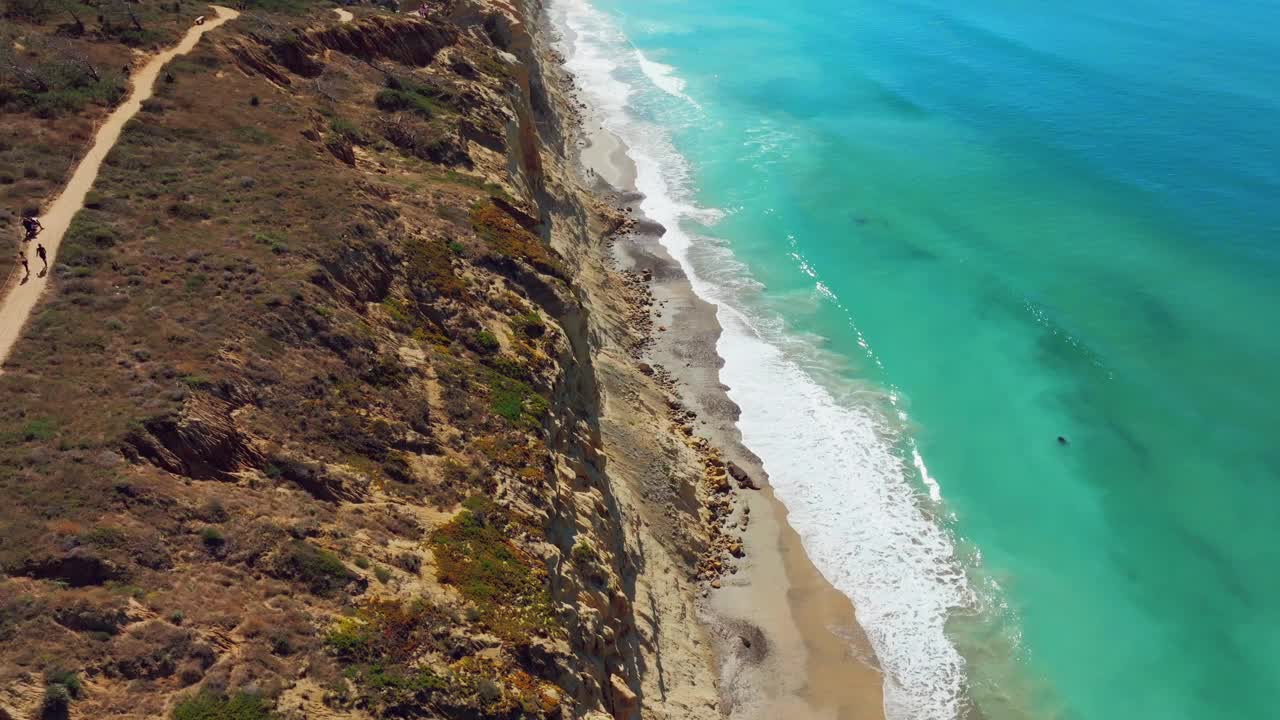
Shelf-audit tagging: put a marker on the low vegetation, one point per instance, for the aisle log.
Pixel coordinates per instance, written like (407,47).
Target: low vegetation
(212,706)
(383,644)
(292,348)
(516,401)
(506,237)
(506,586)
(61,689)
(320,570)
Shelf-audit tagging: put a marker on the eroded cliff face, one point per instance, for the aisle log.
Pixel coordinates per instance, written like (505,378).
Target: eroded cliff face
(334,414)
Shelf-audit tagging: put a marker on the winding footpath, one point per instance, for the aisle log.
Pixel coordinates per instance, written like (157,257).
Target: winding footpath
(22,299)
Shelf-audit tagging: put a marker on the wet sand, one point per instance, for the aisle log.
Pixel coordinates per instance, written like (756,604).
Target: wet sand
(788,643)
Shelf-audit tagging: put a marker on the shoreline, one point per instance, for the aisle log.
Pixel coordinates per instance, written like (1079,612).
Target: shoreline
(787,643)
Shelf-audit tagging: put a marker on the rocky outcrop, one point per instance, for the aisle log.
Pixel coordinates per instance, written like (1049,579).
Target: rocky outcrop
(201,441)
(410,40)
(79,567)
(741,476)
(362,273)
(327,483)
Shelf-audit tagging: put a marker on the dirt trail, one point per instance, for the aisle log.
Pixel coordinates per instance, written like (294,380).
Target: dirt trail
(20,301)
(344,15)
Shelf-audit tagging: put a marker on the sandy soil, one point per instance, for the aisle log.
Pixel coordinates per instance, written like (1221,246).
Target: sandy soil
(344,15)
(787,643)
(22,298)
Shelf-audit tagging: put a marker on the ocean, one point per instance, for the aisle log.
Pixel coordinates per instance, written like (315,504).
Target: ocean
(940,236)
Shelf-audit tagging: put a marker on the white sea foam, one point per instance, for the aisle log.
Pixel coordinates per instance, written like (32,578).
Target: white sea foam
(837,458)
(664,78)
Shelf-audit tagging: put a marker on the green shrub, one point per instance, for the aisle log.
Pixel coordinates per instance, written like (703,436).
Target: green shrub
(69,95)
(40,429)
(214,511)
(211,706)
(409,562)
(196,382)
(510,367)
(389,100)
(56,701)
(401,94)
(410,681)
(583,553)
(383,574)
(486,342)
(506,585)
(349,130)
(104,536)
(89,232)
(128,34)
(529,324)
(381,644)
(516,401)
(273,241)
(189,211)
(431,270)
(321,571)
(212,538)
(394,308)
(68,680)
(281,642)
(386,371)
(508,239)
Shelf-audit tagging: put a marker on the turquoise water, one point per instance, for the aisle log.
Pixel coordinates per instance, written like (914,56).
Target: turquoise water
(944,234)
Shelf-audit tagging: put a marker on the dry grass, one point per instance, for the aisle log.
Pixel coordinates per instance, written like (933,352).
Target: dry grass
(230,274)
(65,68)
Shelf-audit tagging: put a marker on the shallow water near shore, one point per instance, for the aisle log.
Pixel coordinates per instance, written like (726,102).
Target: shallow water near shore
(940,238)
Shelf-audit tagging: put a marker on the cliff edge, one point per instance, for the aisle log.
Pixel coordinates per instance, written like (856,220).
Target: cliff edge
(331,411)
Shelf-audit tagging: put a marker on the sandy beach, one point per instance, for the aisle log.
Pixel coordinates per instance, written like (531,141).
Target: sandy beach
(787,644)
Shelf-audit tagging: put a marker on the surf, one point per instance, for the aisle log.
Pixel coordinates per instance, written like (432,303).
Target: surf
(836,459)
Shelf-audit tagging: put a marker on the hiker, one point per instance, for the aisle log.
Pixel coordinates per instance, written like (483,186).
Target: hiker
(22,257)
(200,20)
(40,253)
(32,225)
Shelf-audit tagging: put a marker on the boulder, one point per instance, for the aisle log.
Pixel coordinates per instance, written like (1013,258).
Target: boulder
(741,477)
(622,698)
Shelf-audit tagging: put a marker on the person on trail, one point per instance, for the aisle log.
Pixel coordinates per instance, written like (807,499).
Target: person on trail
(22,257)
(32,225)
(200,20)
(40,253)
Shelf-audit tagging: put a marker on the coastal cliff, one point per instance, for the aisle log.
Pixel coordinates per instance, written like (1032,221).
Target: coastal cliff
(332,409)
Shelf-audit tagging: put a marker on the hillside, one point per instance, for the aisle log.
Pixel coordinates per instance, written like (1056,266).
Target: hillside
(332,409)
